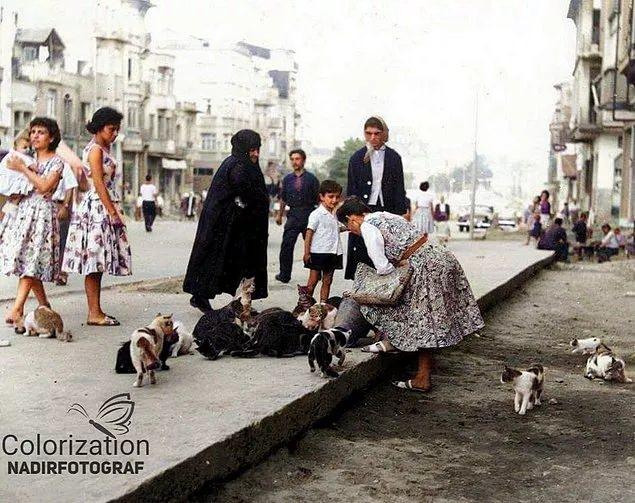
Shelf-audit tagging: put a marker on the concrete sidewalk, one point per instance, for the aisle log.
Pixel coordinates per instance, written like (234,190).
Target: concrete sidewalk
(204,420)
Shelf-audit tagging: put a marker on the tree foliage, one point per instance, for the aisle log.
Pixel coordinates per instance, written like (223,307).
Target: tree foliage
(336,168)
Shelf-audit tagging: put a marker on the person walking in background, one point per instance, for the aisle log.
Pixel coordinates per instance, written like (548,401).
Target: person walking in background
(30,246)
(545,208)
(375,175)
(555,238)
(97,238)
(231,238)
(299,191)
(424,200)
(441,216)
(581,232)
(322,247)
(63,197)
(149,195)
(535,230)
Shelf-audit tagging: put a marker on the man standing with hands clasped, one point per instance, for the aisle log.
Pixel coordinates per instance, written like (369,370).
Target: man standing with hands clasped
(299,191)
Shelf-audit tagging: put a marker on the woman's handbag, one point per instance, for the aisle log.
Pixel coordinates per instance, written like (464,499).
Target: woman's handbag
(371,288)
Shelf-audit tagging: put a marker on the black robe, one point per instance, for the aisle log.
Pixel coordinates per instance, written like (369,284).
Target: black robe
(231,241)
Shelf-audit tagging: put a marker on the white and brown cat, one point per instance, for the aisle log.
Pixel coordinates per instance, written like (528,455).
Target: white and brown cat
(527,384)
(145,347)
(43,322)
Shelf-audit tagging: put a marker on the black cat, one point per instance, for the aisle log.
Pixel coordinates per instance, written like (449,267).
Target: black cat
(216,334)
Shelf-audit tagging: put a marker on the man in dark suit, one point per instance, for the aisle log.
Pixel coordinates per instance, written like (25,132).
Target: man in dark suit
(375,175)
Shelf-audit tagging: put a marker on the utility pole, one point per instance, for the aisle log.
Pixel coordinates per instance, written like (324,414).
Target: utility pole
(473,199)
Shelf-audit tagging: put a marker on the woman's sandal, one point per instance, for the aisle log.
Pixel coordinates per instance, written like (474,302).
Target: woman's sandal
(408,385)
(108,321)
(378,347)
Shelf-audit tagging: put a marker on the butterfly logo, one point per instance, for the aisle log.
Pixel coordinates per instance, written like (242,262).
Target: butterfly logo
(113,417)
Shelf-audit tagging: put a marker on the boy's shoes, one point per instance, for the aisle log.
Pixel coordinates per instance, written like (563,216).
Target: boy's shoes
(281,280)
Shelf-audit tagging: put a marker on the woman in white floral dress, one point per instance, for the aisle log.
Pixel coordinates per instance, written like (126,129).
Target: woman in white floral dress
(97,241)
(437,309)
(30,248)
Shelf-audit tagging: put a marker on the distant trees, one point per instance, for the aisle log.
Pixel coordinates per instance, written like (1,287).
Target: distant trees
(460,177)
(336,168)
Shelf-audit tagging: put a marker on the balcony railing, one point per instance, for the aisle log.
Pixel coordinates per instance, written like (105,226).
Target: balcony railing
(589,47)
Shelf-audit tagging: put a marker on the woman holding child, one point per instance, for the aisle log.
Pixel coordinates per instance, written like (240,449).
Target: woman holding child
(437,308)
(30,247)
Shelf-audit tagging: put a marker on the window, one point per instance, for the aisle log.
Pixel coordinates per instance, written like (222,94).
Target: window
(68,113)
(133,117)
(30,53)
(226,138)
(206,141)
(85,112)
(163,127)
(129,68)
(51,103)
(152,128)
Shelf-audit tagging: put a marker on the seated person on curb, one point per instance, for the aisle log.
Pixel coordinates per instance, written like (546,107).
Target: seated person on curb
(581,232)
(609,246)
(555,238)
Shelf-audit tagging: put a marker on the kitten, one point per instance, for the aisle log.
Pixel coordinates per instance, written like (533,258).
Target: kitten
(319,317)
(528,386)
(146,344)
(45,323)
(604,365)
(183,344)
(585,346)
(278,333)
(305,301)
(324,346)
(247,288)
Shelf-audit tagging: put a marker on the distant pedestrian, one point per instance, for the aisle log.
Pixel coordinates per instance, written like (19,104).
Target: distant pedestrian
(375,175)
(97,238)
(441,217)
(555,238)
(424,200)
(609,246)
(574,211)
(63,197)
(581,232)
(545,208)
(299,191)
(535,229)
(322,247)
(149,193)
(232,233)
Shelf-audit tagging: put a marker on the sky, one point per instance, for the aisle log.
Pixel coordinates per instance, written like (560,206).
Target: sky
(418,63)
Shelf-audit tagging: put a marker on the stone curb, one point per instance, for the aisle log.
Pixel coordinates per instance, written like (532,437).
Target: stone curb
(254,443)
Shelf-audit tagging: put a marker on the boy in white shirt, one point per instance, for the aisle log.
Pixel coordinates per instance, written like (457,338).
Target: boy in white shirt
(322,247)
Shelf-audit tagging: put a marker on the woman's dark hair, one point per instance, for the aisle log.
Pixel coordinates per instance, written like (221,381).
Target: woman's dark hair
(299,151)
(558,221)
(103,117)
(330,187)
(148,177)
(606,226)
(545,192)
(374,122)
(353,205)
(52,127)
(424,186)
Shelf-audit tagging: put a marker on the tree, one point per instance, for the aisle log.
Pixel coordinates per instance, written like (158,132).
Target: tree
(337,166)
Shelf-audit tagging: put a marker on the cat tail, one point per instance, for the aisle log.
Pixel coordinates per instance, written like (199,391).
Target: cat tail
(245,353)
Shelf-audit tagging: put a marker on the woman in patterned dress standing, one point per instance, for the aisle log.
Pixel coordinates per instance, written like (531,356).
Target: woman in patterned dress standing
(97,240)
(30,249)
(437,308)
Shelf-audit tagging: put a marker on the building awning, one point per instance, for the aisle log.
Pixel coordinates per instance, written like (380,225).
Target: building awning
(569,166)
(179,164)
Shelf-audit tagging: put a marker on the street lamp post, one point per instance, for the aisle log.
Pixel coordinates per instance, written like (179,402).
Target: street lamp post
(473,198)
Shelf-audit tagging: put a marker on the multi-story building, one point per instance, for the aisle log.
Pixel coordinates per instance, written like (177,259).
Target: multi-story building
(601,112)
(563,173)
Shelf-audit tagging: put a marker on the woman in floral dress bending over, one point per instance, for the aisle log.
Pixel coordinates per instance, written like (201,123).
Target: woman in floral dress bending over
(30,249)
(97,240)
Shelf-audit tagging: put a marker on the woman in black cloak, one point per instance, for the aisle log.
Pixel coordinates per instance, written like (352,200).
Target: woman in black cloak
(232,234)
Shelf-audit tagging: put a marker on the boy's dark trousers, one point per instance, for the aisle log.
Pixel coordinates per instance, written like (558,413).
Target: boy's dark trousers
(149,209)
(297,220)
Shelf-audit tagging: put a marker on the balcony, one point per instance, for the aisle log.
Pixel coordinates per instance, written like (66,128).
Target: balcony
(588,47)
(585,126)
(158,147)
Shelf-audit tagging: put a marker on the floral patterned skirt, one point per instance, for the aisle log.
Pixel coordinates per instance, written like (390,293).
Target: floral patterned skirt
(438,308)
(30,240)
(93,244)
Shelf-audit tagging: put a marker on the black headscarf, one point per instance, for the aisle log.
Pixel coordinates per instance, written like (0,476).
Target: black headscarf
(244,141)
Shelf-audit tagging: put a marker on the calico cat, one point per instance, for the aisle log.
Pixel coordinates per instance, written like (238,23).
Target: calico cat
(146,344)
(43,322)
(278,333)
(603,364)
(324,346)
(585,346)
(319,317)
(528,386)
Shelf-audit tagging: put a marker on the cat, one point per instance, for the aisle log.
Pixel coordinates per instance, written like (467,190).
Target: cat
(585,346)
(246,288)
(305,301)
(183,344)
(319,317)
(123,363)
(528,386)
(146,344)
(324,346)
(216,334)
(277,333)
(604,365)
(43,322)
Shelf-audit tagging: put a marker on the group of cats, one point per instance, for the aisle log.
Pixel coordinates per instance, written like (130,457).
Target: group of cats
(602,364)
